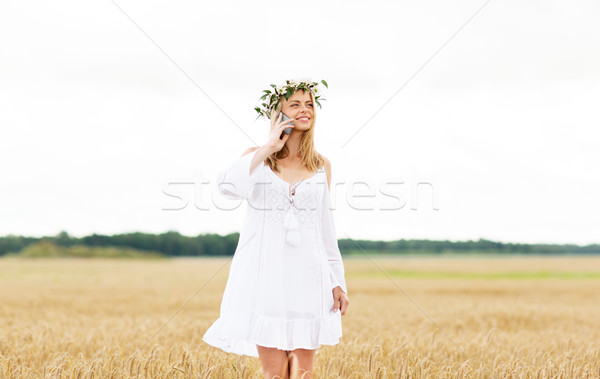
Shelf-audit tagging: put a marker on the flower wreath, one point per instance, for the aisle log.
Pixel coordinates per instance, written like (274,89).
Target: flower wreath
(272,97)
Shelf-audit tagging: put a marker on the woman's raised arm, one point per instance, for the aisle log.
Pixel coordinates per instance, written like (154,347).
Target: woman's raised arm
(237,180)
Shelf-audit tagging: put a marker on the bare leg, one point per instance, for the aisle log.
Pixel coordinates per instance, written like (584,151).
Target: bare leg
(302,363)
(274,362)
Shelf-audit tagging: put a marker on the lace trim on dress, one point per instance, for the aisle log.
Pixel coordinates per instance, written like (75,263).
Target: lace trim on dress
(297,208)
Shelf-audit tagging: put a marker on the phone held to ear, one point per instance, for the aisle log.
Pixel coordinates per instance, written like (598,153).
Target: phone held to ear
(283,119)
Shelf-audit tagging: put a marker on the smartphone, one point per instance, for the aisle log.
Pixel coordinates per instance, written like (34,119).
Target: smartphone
(285,118)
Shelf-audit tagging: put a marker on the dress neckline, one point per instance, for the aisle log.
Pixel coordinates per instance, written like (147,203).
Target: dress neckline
(293,185)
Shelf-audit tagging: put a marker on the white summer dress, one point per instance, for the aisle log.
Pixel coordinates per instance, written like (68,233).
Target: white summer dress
(279,290)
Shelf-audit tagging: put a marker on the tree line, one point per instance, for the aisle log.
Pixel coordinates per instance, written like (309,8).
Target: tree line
(174,244)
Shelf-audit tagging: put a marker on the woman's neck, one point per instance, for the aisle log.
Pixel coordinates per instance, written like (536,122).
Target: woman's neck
(293,146)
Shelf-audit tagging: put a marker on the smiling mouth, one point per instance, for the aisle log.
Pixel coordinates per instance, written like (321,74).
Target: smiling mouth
(303,119)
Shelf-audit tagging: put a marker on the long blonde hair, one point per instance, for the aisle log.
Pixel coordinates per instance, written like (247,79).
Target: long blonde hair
(311,159)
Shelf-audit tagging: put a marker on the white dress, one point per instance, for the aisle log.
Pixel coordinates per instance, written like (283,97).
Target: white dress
(279,290)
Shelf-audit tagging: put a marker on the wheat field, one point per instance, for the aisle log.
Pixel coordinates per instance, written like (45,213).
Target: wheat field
(409,317)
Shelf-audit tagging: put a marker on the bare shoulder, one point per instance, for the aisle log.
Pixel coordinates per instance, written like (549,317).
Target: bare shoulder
(249,150)
(327,165)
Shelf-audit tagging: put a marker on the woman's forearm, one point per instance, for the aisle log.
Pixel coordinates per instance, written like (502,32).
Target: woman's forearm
(261,154)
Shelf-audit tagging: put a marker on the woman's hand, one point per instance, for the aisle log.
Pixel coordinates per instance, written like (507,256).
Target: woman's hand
(340,300)
(275,142)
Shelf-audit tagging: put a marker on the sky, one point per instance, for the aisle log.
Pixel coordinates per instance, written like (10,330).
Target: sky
(480,118)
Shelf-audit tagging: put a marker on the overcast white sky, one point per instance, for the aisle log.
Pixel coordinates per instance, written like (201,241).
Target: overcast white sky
(97,123)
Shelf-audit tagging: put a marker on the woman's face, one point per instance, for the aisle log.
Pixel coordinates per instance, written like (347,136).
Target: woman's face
(300,108)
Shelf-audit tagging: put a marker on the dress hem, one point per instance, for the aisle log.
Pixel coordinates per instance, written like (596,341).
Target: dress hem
(229,334)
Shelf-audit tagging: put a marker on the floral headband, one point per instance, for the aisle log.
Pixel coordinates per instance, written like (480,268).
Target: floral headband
(287,90)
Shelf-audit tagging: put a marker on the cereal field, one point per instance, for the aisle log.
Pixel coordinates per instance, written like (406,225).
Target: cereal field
(409,317)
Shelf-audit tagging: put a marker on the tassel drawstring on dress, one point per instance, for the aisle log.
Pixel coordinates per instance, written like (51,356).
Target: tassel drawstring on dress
(290,223)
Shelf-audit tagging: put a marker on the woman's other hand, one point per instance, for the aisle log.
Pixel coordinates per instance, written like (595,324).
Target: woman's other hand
(340,300)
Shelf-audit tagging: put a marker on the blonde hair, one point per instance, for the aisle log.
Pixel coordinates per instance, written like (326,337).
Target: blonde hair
(311,159)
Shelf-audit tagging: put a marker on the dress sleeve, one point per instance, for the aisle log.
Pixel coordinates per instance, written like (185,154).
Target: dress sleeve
(334,256)
(236,181)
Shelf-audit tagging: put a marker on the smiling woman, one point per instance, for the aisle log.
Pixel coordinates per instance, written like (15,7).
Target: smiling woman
(286,290)
(299,150)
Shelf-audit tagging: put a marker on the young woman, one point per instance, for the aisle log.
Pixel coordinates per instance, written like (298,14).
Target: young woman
(286,289)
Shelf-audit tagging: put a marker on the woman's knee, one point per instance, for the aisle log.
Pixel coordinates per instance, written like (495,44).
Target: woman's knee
(302,363)
(274,362)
